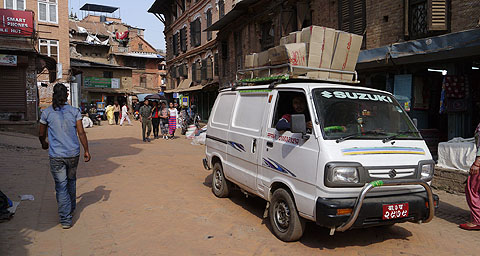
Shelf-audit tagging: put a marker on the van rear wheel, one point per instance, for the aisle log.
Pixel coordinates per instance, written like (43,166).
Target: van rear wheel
(220,186)
(286,224)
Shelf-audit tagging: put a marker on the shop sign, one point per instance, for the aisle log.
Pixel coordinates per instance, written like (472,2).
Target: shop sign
(116,83)
(98,82)
(13,22)
(8,60)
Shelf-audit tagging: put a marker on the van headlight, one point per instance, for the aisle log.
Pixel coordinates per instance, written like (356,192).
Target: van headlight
(426,171)
(343,175)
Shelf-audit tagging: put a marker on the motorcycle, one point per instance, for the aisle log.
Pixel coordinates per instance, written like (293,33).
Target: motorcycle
(96,118)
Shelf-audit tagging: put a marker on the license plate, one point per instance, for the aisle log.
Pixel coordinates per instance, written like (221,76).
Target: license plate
(395,211)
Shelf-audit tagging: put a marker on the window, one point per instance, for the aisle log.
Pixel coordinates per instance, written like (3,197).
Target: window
(175,44)
(143,81)
(284,106)
(194,71)
(15,5)
(215,63)
(209,23)
(224,107)
(209,69)
(268,34)
(107,74)
(238,49)
(140,47)
(352,17)
(243,118)
(47,11)
(196,32)
(221,8)
(49,48)
(183,39)
(197,71)
(426,18)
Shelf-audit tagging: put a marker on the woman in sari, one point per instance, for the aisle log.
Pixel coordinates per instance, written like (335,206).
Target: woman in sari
(472,189)
(109,112)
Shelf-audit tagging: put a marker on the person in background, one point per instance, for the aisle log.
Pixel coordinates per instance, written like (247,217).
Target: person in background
(472,189)
(63,123)
(116,111)
(125,115)
(110,115)
(145,112)
(172,120)
(155,119)
(164,121)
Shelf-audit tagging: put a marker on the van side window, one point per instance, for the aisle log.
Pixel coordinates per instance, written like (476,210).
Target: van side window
(223,110)
(289,103)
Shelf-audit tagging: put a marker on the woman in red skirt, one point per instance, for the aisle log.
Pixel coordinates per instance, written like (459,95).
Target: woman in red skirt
(172,120)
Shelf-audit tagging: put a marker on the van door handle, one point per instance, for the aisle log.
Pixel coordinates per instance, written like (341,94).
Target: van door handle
(254,145)
(269,144)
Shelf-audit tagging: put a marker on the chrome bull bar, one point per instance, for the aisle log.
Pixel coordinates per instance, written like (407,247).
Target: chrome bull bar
(381,183)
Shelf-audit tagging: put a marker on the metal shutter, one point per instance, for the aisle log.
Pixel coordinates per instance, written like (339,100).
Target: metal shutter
(12,89)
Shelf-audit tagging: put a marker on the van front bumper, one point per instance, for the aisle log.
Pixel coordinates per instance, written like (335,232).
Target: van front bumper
(371,211)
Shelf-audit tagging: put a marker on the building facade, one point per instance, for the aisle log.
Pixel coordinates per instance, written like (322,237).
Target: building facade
(111,60)
(405,44)
(192,52)
(23,66)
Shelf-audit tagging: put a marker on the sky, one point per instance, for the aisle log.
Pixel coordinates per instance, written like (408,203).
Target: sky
(132,12)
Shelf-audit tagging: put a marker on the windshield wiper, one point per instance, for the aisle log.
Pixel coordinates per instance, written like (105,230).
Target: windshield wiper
(353,135)
(389,138)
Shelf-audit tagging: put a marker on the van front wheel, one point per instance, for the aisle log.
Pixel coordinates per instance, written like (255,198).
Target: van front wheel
(220,186)
(286,223)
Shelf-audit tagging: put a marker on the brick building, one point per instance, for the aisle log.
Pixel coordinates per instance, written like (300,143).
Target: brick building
(192,53)
(111,59)
(24,58)
(405,43)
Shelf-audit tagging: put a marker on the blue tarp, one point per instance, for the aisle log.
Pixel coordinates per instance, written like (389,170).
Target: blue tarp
(452,45)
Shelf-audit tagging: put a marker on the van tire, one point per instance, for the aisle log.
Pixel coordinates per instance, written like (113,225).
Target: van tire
(286,224)
(221,187)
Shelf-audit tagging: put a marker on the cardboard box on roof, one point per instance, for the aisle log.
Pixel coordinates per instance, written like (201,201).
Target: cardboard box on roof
(250,60)
(295,54)
(283,40)
(294,37)
(347,49)
(320,45)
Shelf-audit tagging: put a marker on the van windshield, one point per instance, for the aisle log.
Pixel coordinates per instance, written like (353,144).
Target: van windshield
(356,114)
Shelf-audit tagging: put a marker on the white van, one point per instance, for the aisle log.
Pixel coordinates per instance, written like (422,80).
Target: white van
(339,155)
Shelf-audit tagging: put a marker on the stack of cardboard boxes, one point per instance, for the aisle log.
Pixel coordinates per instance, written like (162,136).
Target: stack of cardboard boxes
(313,47)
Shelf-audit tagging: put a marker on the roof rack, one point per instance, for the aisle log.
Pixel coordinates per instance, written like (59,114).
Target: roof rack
(289,75)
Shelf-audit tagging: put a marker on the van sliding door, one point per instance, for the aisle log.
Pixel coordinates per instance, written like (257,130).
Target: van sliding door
(243,138)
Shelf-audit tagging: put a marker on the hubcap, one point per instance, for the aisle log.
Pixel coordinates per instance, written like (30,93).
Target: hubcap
(282,215)
(218,180)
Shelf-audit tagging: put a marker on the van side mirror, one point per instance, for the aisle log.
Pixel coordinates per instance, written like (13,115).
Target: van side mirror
(299,125)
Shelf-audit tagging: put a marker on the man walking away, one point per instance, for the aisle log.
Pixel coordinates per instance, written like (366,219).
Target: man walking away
(146,119)
(116,111)
(63,122)
(125,115)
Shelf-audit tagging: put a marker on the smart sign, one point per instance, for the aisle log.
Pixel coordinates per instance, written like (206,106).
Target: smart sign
(13,22)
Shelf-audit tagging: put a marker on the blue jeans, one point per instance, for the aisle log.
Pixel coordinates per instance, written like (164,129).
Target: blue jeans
(64,172)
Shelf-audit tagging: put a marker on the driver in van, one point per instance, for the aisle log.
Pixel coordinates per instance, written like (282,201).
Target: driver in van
(300,107)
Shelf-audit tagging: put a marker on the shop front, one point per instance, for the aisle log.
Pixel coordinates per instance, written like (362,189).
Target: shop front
(435,79)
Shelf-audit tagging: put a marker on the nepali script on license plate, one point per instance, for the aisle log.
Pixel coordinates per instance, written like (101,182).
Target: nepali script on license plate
(395,211)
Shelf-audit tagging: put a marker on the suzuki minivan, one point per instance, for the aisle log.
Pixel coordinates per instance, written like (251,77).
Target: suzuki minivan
(338,155)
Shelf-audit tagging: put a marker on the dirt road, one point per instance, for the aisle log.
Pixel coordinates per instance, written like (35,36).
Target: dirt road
(137,198)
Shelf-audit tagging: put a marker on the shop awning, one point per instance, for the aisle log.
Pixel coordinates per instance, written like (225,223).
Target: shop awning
(184,85)
(449,46)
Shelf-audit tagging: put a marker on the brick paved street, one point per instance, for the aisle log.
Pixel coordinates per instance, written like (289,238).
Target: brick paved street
(138,198)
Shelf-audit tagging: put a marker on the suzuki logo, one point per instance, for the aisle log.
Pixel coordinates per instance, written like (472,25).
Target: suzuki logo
(327,95)
(392,173)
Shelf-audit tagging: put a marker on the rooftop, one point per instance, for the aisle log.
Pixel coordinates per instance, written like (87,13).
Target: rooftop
(98,8)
